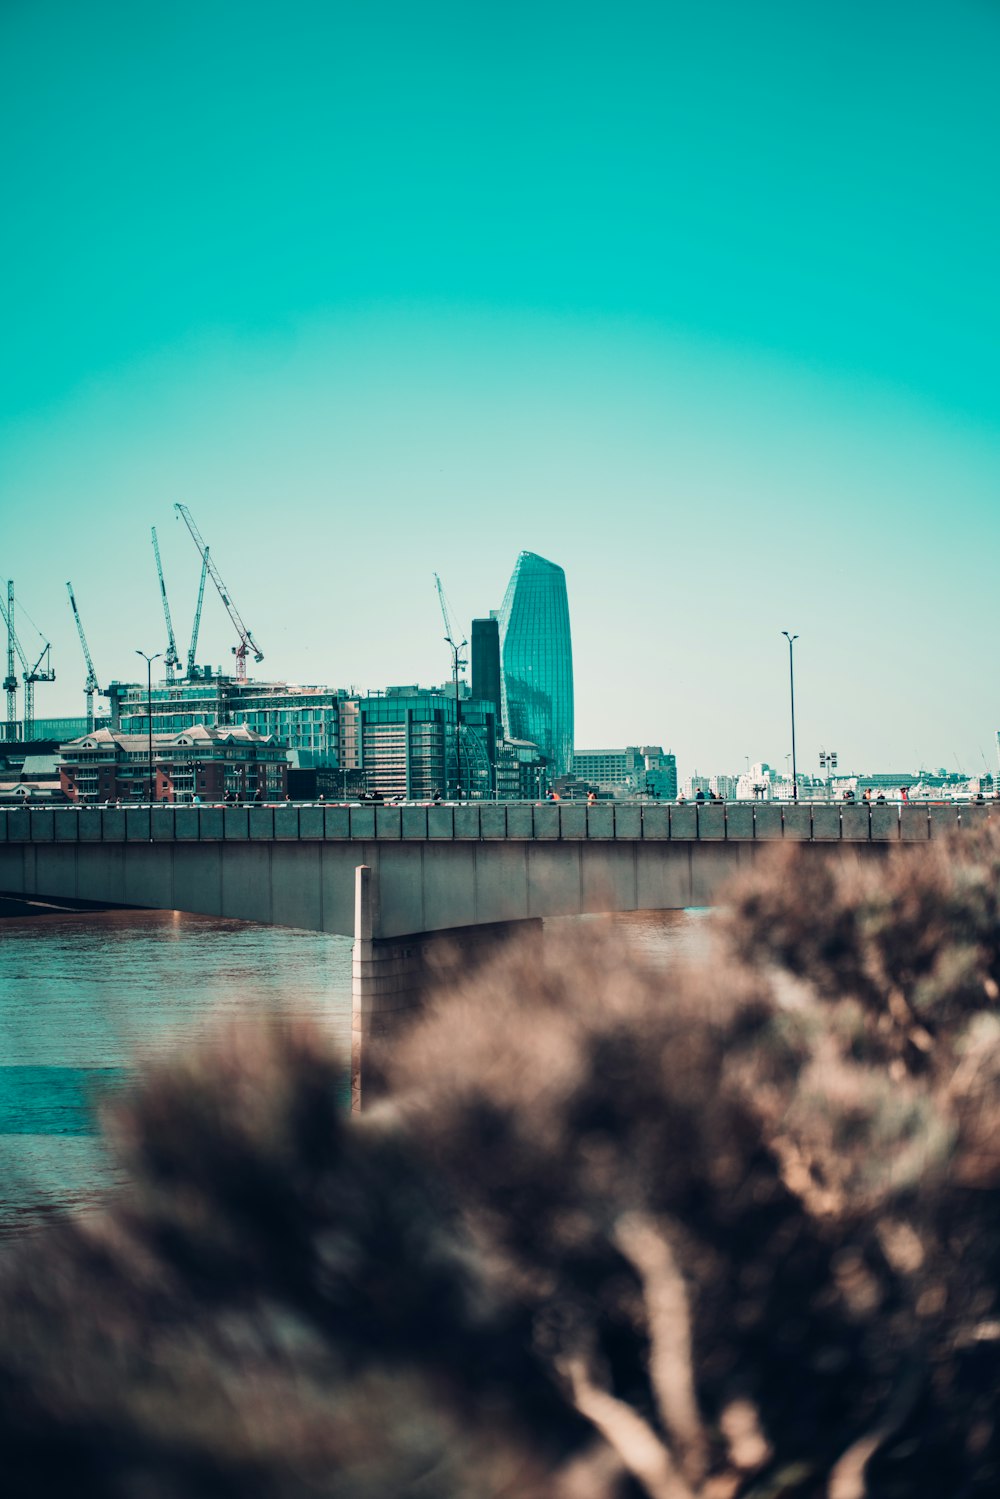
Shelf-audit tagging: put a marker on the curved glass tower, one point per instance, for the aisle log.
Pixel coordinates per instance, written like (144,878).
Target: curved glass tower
(536,660)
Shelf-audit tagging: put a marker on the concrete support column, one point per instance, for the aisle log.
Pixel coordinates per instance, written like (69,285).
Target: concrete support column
(393,975)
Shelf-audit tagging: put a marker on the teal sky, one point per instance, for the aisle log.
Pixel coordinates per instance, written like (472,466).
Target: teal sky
(699,301)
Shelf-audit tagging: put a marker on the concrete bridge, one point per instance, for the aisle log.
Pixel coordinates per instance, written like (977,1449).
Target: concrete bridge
(393,877)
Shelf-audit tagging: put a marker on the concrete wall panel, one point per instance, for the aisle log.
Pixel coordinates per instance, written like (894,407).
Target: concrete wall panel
(712,865)
(467,821)
(797,822)
(573,821)
(608,877)
(12,857)
(450,884)
(656,822)
(211,823)
(18,825)
(3,825)
(628,821)
(66,826)
(554,887)
(161,825)
(711,821)
(885,824)
(826,824)
(100,872)
(286,820)
(492,820)
(520,822)
(739,820)
(401,889)
(914,824)
(42,825)
(441,822)
(246,881)
(338,861)
(137,824)
(546,819)
(198,877)
(388,822)
(149,876)
(235,823)
(296,895)
(186,824)
(261,821)
(311,821)
(90,825)
(663,876)
(684,822)
(502,883)
(767,820)
(362,822)
(854,824)
(944,821)
(972,816)
(601,821)
(55,870)
(414,822)
(336,822)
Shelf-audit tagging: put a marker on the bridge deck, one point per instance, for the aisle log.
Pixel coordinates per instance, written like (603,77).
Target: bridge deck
(741,822)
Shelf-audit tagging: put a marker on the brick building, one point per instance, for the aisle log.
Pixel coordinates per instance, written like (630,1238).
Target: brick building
(200,763)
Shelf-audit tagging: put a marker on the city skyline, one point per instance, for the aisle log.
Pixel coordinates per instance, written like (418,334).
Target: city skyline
(701,306)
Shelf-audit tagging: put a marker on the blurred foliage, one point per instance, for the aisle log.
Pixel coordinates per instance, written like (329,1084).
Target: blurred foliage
(729,1229)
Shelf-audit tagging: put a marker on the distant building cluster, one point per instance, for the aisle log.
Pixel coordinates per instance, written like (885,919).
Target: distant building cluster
(506,734)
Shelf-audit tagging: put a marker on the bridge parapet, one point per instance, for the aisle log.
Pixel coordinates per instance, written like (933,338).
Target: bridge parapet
(740,822)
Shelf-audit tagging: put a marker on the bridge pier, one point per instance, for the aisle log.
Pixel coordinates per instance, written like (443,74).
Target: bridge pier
(392,977)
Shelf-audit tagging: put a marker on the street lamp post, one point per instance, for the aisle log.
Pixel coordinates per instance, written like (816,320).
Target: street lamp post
(149,711)
(791,685)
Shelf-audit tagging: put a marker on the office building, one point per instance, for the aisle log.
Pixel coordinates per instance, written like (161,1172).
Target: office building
(305,719)
(485,660)
(637,770)
(536,660)
(405,741)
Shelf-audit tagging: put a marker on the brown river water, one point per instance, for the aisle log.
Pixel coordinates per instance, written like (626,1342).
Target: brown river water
(84,996)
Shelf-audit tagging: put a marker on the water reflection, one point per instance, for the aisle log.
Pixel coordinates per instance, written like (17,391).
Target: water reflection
(83,995)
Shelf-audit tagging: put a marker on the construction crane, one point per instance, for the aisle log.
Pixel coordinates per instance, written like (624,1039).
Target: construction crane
(171,660)
(192,648)
(10,680)
(247,643)
(456,664)
(29,674)
(90,686)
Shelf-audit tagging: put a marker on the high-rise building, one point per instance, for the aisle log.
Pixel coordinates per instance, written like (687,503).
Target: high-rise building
(536,659)
(486,660)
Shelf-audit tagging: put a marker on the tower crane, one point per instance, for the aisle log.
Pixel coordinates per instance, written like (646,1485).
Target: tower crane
(247,642)
(171,660)
(192,648)
(457,664)
(29,674)
(90,686)
(10,680)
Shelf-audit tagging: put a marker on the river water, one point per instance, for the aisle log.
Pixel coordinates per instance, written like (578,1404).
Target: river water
(84,996)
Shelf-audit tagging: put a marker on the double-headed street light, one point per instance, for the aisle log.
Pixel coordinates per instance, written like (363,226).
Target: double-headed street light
(791,683)
(149,711)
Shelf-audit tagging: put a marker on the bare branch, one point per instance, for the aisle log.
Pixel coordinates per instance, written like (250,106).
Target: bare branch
(640,1449)
(671,1364)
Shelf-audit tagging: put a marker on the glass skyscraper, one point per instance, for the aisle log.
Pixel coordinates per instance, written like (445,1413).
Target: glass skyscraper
(536,658)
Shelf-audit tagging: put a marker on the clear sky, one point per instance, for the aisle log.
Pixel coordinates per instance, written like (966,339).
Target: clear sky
(698,300)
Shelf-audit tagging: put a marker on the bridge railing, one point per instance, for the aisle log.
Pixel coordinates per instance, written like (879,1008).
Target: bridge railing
(490,821)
